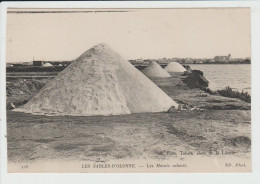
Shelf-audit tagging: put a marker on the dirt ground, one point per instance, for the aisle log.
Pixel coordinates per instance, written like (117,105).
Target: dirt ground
(206,123)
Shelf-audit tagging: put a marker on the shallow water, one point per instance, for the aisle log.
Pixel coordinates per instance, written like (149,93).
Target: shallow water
(238,76)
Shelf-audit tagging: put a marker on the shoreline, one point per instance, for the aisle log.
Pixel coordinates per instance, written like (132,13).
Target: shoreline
(192,78)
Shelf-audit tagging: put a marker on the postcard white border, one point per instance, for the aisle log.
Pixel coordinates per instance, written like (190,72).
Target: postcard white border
(238,178)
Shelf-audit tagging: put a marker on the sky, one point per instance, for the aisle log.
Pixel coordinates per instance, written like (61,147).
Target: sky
(134,33)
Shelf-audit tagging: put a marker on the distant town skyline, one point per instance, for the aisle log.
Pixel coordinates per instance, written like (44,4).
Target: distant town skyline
(135,34)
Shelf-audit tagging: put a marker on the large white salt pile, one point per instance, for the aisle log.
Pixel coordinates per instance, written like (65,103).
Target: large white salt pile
(99,82)
(155,70)
(175,67)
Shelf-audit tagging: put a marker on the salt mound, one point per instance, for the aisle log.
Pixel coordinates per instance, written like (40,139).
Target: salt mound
(155,70)
(47,64)
(99,82)
(175,67)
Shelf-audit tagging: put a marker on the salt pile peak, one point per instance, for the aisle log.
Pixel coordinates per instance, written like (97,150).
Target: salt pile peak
(99,82)
(175,67)
(155,70)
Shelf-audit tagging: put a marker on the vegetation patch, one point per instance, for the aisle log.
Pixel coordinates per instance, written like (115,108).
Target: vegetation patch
(238,141)
(228,92)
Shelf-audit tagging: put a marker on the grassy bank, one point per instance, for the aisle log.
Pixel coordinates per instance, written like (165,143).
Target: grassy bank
(228,92)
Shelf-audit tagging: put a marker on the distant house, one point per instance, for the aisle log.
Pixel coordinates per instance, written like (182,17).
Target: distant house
(17,64)
(9,64)
(198,62)
(222,58)
(37,63)
(27,63)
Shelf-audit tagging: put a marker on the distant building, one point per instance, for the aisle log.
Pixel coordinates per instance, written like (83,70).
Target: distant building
(222,58)
(17,64)
(198,62)
(27,63)
(37,63)
(9,64)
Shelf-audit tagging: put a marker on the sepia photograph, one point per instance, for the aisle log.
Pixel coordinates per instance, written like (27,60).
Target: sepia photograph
(128,90)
